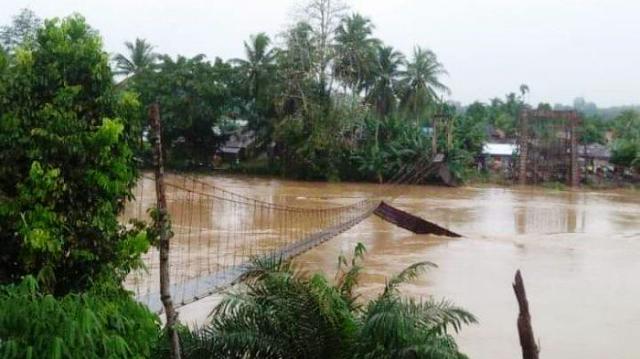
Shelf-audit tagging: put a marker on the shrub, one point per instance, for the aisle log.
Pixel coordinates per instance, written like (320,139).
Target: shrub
(281,313)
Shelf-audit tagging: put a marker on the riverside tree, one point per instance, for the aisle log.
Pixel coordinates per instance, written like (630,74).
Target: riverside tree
(66,164)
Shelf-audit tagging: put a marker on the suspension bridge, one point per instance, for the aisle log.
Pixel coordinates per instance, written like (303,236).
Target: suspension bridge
(216,233)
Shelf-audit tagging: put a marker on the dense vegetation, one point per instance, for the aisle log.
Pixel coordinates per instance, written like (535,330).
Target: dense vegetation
(329,100)
(103,322)
(66,169)
(66,161)
(280,312)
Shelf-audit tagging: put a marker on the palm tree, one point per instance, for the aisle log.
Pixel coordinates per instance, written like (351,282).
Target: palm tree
(355,51)
(524,89)
(421,81)
(282,313)
(382,93)
(140,58)
(259,60)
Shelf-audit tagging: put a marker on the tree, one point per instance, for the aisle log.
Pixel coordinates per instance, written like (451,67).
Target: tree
(524,89)
(66,164)
(593,130)
(323,17)
(355,52)
(421,81)
(22,29)
(282,313)
(626,153)
(140,58)
(295,70)
(382,94)
(626,146)
(257,68)
(193,96)
(627,125)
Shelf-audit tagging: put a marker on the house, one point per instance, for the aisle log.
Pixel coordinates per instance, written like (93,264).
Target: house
(498,156)
(237,146)
(594,157)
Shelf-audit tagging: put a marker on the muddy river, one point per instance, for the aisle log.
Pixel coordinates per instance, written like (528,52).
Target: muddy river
(579,252)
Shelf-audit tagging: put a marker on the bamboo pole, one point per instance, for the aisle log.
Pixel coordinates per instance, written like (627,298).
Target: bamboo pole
(164,232)
(525,331)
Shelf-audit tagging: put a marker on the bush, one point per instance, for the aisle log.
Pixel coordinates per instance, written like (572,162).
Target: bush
(104,322)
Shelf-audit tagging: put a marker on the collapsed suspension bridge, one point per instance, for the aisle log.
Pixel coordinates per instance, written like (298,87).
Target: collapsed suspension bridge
(218,232)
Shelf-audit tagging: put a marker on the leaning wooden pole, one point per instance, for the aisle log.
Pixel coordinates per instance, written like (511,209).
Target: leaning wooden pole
(525,330)
(164,231)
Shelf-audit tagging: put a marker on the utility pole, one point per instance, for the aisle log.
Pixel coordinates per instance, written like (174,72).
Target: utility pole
(163,229)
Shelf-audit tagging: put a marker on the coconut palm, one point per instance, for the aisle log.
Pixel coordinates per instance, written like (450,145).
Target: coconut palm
(355,51)
(282,313)
(421,81)
(258,62)
(382,93)
(140,58)
(524,89)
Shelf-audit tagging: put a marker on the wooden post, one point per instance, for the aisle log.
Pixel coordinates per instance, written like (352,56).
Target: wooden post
(524,147)
(525,331)
(574,176)
(434,138)
(449,133)
(164,232)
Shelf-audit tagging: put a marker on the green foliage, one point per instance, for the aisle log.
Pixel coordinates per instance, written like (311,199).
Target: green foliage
(593,130)
(626,153)
(22,29)
(421,81)
(66,164)
(193,96)
(141,58)
(626,147)
(355,52)
(104,322)
(281,312)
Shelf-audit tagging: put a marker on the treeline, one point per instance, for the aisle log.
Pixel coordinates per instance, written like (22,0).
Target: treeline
(328,100)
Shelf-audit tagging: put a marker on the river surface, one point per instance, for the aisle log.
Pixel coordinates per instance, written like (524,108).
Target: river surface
(579,253)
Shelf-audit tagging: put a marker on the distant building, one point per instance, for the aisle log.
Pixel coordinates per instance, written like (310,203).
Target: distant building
(594,156)
(498,156)
(237,146)
(496,135)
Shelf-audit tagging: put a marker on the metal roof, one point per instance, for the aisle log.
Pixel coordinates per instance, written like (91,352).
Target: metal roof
(499,149)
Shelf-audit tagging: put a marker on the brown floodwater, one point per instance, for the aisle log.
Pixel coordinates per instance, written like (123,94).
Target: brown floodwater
(578,251)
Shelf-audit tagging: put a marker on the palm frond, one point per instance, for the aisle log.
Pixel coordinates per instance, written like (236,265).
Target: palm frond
(407,274)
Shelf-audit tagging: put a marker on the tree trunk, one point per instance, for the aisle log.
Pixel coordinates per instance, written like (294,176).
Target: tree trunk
(164,233)
(527,341)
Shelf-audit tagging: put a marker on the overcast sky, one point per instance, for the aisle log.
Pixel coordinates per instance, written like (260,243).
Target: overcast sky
(562,49)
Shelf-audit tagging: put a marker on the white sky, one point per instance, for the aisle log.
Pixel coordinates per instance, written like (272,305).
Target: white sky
(561,48)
